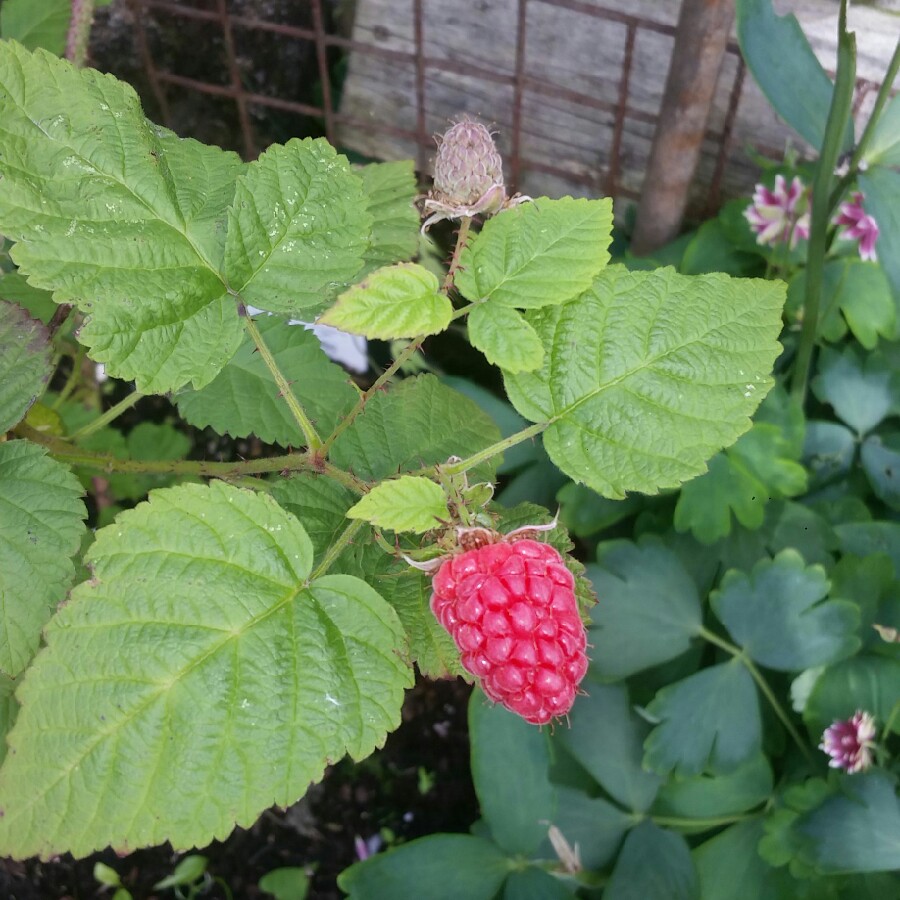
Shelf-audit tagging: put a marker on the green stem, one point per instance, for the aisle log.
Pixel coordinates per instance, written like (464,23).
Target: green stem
(407,353)
(336,549)
(105,418)
(103,462)
(821,204)
(72,380)
(489,452)
(890,721)
(884,94)
(762,684)
(313,441)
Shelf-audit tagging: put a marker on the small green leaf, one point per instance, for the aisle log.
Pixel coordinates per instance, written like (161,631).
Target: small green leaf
(649,610)
(298,228)
(705,796)
(510,759)
(779,614)
(605,737)
(858,829)
(467,866)
(391,189)
(730,868)
(196,680)
(244,399)
(106,875)
(186,872)
(401,301)
(655,864)
(786,69)
(880,457)
(16,289)
(407,503)
(505,338)
(25,363)
(537,254)
(41,514)
(862,391)
(884,145)
(286,883)
(855,294)
(670,370)
(867,682)
(709,722)
(34,25)
(740,481)
(418,423)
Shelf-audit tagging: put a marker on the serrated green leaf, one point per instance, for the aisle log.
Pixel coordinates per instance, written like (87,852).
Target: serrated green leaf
(510,759)
(857,830)
(880,458)
(430,646)
(881,187)
(730,868)
(401,301)
(16,289)
(9,709)
(649,610)
(855,294)
(704,796)
(793,525)
(782,844)
(25,363)
(537,254)
(43,24)
(108,210)
(505,338)
(655,864)
(779,615)
(786,69)
(298,228)
(867,682)
(41,527)
(884,144)
(709,722)
(407,503)
(244,399)
(319,503)
(197,679)
(861,390)
(391,189)
(418,423)
(669,370)
(605,737)
(740,482)
(469,866)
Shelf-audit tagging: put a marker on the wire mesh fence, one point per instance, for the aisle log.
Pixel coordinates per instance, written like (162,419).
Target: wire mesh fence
(570,119)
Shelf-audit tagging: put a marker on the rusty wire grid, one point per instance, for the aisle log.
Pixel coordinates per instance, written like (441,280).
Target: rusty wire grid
(226,21)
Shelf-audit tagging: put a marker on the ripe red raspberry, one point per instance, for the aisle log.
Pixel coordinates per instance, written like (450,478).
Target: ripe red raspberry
(511,610)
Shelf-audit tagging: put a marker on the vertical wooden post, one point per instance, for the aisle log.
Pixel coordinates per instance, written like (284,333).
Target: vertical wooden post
(701,39)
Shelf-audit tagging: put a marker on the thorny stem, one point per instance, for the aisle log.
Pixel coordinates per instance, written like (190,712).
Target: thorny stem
(407,353)
(313,441)
(762,684)
(103,462)
(336,549)
(469,462)
(105,418)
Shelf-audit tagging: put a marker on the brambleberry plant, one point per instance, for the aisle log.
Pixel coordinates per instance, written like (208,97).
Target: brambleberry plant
(245,623)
